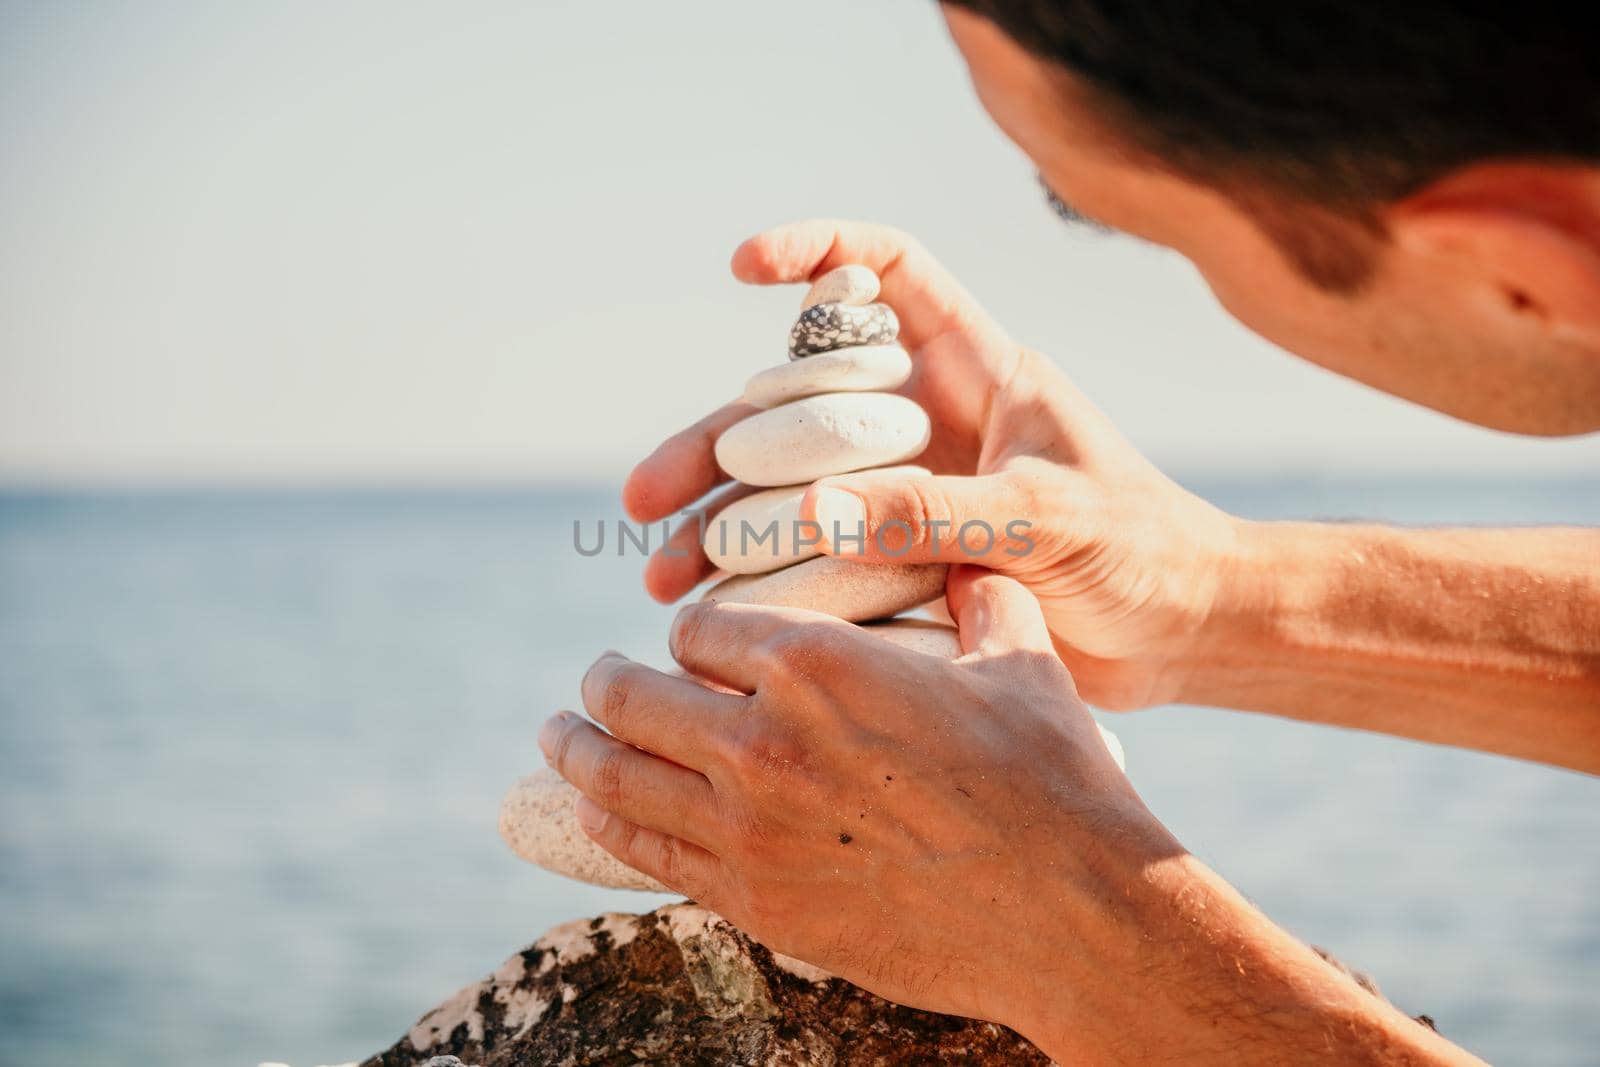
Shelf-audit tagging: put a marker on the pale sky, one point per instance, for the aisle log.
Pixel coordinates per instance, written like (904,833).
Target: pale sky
(402,242)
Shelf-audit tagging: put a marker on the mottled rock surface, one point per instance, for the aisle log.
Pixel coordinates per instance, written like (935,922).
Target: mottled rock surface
(825,327)
(681,986)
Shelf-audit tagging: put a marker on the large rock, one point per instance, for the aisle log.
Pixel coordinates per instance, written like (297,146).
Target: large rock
(681,986)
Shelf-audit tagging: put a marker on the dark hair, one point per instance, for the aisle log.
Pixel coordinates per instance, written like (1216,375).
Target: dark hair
(1345,104)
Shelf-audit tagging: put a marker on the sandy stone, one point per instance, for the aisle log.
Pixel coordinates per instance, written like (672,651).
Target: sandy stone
(852,590)
(918,635)
(821,435)
(536,820)
(846,370)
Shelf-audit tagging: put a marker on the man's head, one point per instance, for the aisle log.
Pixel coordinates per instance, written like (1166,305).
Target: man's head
(1406,193)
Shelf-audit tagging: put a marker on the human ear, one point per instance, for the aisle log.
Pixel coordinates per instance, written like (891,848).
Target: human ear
(1527,234)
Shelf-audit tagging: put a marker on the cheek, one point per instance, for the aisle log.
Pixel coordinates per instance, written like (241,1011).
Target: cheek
(1260,288)
(1281,311)
(1353,336)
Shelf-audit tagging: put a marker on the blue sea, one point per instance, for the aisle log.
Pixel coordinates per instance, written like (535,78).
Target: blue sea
(252,744)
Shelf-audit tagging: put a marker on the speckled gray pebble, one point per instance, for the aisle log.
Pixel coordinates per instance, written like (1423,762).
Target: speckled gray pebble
(829,326)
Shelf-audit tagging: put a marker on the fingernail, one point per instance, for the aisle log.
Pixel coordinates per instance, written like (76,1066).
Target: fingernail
(591,816)
(549,732)
(841,515)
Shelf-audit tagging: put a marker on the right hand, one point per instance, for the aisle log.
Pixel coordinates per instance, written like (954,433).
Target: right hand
(1126,565)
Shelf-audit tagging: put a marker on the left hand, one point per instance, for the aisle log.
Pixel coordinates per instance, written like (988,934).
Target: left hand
(1128,567)
(950,835)
(896,819)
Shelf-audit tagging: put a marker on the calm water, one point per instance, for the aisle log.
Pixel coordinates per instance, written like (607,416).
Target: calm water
(251,748)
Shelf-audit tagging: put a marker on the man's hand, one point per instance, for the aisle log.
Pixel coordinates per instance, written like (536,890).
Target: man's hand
(950,835)
(1124,562)
(1487,639)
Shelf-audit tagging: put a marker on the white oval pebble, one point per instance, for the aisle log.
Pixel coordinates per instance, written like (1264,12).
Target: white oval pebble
(808,439)
(536,820)
(844,370)
(852,590)
(850,284)
(762,531)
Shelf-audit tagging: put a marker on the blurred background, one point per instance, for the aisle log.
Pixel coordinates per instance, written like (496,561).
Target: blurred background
(320,324)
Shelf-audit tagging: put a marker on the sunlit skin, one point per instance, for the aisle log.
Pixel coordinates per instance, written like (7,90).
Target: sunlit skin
(1486,300)
(952,835)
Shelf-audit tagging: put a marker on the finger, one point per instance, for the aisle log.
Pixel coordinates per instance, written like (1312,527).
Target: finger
(738,645)
(682,469)
(676,718)
(681,564)
(929,301)
(996,614)
(947,519)
(676,863)
(626,781)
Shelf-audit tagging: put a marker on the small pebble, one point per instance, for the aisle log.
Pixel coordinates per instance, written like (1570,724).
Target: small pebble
(829,326)
(852,284)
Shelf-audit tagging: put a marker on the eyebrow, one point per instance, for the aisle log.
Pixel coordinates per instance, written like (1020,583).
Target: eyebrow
(1069,214)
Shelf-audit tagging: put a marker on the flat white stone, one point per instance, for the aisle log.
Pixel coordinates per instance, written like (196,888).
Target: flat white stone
(844,370)
(850,589)
(851,284)
(763,532)
(808,439)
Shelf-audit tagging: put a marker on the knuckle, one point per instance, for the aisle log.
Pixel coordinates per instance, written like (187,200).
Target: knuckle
(685,636)
(785,655)
(606,778)
(670,862)
(925,505)
(764,758)
(1018,494)
(675,864)
(561,749)
(625,841)
(799,654)
(616,691)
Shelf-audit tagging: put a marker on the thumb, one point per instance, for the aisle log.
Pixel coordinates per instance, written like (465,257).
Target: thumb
(995,614)
(879,519)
